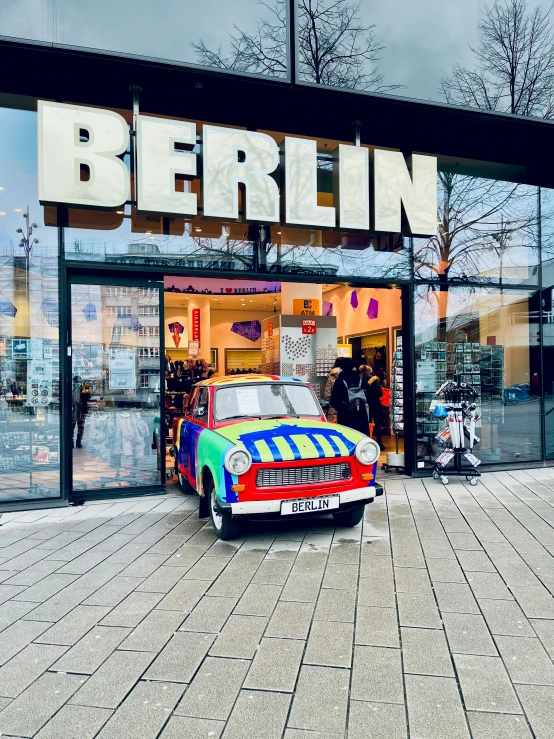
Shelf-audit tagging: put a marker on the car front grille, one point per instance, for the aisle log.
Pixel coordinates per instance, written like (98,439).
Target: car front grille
(283,476)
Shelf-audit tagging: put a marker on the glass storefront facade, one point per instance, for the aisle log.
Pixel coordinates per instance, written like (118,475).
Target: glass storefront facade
(478,295)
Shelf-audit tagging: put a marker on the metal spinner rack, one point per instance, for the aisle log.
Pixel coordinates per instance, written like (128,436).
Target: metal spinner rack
(457,436)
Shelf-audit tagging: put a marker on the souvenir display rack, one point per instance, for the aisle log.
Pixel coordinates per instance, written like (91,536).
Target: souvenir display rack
(458,407)
(395,460)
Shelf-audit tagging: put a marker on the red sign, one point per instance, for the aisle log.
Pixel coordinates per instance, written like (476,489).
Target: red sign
(195,324)
(491,340)
(270,328)
(308,326)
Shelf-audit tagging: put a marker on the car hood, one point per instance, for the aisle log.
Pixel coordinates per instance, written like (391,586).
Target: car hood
(289,439)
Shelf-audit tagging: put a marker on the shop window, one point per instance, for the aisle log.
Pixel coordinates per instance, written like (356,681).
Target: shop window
(489,338)
(118,310)
(149,331)
(149,310)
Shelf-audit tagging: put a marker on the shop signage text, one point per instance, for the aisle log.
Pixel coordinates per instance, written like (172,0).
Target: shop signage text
(303,307)
(195,332)
(309,326)
(79,150)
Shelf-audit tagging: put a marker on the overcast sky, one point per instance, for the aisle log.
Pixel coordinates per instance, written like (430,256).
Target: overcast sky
(422,38)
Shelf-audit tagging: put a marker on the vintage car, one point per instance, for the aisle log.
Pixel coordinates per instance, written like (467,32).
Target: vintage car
(258,446)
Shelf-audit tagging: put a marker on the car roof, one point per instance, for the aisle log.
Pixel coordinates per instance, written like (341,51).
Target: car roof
(245,380)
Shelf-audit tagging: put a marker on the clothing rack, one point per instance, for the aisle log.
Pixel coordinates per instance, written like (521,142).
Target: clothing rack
(395,460)
(458,435)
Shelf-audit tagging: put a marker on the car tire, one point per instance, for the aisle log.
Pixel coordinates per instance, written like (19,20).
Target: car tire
(224,526)
(351,517)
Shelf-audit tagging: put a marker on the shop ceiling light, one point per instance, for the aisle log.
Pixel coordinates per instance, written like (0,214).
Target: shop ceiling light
(18,210)
(2,213)
(120,212)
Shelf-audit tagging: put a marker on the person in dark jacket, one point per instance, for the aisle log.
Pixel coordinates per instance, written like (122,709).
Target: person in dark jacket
(374,394)
(349,377)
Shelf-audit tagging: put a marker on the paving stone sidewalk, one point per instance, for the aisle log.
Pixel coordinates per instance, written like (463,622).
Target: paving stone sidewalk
(126,619)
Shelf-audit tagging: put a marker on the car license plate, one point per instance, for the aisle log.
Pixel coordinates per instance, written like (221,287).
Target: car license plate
(307,505)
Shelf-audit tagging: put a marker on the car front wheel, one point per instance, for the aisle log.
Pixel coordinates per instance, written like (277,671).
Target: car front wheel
(224,526)
(349,518)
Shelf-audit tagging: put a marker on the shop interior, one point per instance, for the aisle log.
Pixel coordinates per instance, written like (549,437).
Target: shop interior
(212,326)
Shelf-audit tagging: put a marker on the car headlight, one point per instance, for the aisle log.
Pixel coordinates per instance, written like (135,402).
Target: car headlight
(367,451)
(237,461)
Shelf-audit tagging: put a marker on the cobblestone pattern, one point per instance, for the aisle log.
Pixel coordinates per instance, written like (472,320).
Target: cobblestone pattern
(435,619)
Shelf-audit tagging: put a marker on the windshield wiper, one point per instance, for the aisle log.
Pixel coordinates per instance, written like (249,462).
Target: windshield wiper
(240,415)
(282,415)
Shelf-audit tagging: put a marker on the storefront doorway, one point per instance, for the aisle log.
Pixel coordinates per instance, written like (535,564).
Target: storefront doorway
(137,349)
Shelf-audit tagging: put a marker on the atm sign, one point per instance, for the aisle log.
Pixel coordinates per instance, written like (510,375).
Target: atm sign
(305,307)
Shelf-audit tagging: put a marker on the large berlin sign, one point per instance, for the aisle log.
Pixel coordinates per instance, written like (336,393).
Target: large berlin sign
(372,190)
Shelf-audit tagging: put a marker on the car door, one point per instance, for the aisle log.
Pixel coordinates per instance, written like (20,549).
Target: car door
(195,422)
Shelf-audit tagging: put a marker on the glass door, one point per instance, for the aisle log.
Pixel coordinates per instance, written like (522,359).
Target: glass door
(116,386)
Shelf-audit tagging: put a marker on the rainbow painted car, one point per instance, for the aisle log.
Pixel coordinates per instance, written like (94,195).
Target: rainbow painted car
(258,446)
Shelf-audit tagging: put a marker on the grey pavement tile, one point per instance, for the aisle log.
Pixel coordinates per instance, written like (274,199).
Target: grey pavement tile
(209,615)
(114,591)
(335,605)
(84,563)
(411,580)
(12,611)
(32,709)
(329,644)
(113,680)
(73,722)
(302,587)
(74,626)
(258,714)
(131,611)
(185,595)
(34,574)
(472,561)
(498,726)
(276,665)
(538,704)
(240,637)
(258,600)
(273,571)
(435,707)
(302,734)
(488,585)
(425,652)
(7,574)
(485,684)
(376,592)
(17,636)
(341,576)
(290,620)
(144,711)
(182,727)
(347,552)
(505,617)
(7,592)
(180,658)
(376,567)
(409,556)
(106,542)
(455,598)
(445,570)
(168,545)
(100,575)
(59,605)
(386,721)
(526,660)
(23,669)
(45,588)
(207,568)
(456,525)
(153,633)
(545,632)
(94,648)
(186,556)
(377,675)
(468,634)
(162,580)
(438,549)
(466,542)
(320,700)
(214,689)
(4,702)
(373,546)
(376,627)
(145,565)
(420,610)
(535,601)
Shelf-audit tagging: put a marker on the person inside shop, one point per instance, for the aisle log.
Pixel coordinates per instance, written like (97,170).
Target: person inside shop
(374,393)
(80,399)
(331,412)
(349,397)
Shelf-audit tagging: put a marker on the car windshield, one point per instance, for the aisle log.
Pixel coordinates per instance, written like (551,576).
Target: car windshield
(263,401)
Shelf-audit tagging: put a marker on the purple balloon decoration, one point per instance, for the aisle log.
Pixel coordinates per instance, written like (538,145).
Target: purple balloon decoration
(327,308)
(7,308)
(251,330)
(354,299)
(51,311)
(176,327)
(373,309)
(90,312)
(129,320)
